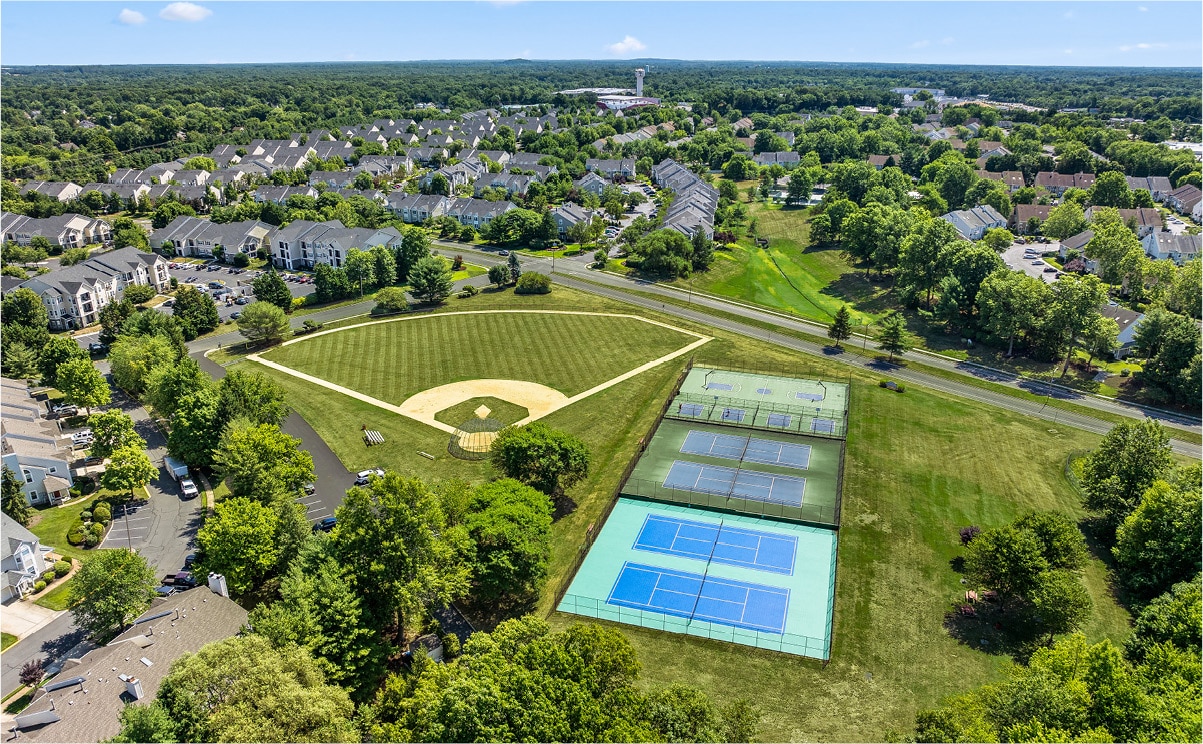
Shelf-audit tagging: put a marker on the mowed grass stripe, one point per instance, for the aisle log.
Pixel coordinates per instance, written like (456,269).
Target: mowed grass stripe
(392,361)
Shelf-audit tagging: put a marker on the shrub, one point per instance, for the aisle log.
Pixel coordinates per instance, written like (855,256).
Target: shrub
(76,536)
(139,293)
(102,514)
(469,290)
(1125,372)
(86,516)
(968,533)
(533,282)
(450,646)
(457,263)
(48,575)
(96,528)
(91,539)
(62,568)
(300,301)
(32,672)
(38,586)
(391,300)
(891,385)
(241,260)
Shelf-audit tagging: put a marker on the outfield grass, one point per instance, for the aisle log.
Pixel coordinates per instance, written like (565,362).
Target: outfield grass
(6,640)
(500,410)
(391,361)
(919,467)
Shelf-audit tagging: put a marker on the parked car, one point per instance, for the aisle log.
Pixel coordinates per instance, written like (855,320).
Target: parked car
(244,300)
(235,316)
(1050,270)
(189,489)
(326,524)
(190,560)
(1037,263)
(217,285)
(503,253)
(363,476)
(169,303)
(309,489)
(165,590)
(64,409)
(180,579)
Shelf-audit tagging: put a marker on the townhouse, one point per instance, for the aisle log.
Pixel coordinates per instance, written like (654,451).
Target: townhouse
(22,560)
(1021,222)
(75,295)
(1146,221)
(1184,199)
(332,179)
(63,191)
(973,223)
(477,213)
(568,215)
(66,230)
(1176,248)
(1157,186)
(304,244)
(1013,180)
(457,175)
(280,194)
(694,201)
(127,192)
(192,236)
(511,183)
(1057,183)
(624,167)
(591,183)
(415,208)
(33,448)
(788,158)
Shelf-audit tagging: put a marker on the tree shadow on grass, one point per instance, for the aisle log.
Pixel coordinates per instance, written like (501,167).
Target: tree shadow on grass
(562,506)
(995,629)
(856,291)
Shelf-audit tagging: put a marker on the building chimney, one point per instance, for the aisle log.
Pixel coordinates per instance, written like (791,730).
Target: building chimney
(639,73)
(217,583)
(133,686)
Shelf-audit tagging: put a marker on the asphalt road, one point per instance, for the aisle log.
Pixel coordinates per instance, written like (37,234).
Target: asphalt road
(49,643)
(571,272)
(333,478)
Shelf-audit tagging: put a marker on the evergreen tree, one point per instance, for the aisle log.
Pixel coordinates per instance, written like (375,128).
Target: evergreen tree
(892,336)
(841,326)
(15,504)
(269,287)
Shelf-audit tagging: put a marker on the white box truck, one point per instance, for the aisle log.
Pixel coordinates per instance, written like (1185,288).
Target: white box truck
(177,469)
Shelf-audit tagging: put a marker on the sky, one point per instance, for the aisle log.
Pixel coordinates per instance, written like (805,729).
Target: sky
(1137,34)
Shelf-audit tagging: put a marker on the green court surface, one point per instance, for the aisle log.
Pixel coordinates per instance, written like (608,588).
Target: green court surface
(658,476)
(734,578)
(763,401)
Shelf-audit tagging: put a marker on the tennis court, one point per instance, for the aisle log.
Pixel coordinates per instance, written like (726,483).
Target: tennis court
(752,471)
(727,577)
(746,484)
(699,597)
(763,401)
(734,546)
(746,448)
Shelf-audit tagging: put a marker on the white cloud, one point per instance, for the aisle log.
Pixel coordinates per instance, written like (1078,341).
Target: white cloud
(524,54)
(130,17)
(1143,9)
(1142,45)
(504,3)
(190,12)
(920,44)
(1068,14)
(625,47)
(947,40)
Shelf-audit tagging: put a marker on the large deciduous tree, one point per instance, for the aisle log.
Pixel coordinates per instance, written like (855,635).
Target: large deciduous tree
(1011,303)
(56,351)
(128,469)
(253,396)
(926,255)
(402,556)
(133,359)
(239,541)
(1074,309)
(14,503)
(1131,457)
(196,312)
(1158,544)
(270,287)
(82,384)
(111,589)
(261,462)
(510,527)
(113,430)
(244,689)
(539,456)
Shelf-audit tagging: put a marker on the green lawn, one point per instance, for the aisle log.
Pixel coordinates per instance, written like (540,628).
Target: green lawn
(393,360)
(919,467)
(53,523)
(55,599)
(809,282)
(6,640)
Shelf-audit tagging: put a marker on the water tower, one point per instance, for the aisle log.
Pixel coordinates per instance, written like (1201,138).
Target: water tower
(639,73)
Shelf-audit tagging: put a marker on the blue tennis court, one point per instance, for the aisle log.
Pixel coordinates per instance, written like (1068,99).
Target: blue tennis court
(751,449)
(780,419)
(719,386)
(690,409)
(733,414)
(822,426)
(809,396)
(721,543)
(698,597)
(744,484)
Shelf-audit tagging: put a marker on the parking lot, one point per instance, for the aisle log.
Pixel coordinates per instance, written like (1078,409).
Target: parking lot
(131,526)
(233,283)
(1018,258)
